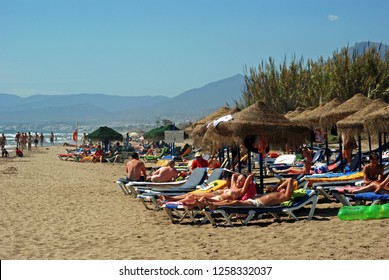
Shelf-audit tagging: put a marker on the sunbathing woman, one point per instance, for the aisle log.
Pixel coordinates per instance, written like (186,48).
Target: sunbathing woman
(238,187)
(306,169)
(281,194)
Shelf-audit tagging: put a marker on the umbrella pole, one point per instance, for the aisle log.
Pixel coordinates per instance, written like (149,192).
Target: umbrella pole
(368,137)
(260,173)
(228,158)
(249,161)
(327,151)
(341,154)
(239,163)
(359,150)
(232,160)
(311,138)
(380,146)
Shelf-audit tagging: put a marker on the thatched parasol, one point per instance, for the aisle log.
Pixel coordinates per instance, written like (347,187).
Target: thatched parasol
(378,121)
(198,129)
(292,114)
(257,119)
(209,118)
(301,118)
(313,117)
(349,107)
(355,123)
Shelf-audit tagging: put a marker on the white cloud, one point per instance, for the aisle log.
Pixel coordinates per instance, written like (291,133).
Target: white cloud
(333,17)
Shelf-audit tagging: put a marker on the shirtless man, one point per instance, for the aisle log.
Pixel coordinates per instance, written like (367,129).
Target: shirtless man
(283,193)
(165,173)
(373,175)
(373,172)
(135,169)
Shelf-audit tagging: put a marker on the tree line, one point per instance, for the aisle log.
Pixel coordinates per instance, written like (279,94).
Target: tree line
(301,83)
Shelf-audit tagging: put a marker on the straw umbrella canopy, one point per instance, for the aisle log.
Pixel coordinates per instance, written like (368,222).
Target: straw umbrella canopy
(378,121)
(292,114)
(207,119)
(302,117)
(198,129)
(349,107)
(257,119)
(355,123)
(313,117)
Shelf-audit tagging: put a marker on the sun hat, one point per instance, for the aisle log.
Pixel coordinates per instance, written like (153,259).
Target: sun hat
(198,154)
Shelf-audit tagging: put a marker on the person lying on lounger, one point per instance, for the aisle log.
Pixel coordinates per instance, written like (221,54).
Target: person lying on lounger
(281,194)
(378,186)
(164,173)
(237,188)
(306,169)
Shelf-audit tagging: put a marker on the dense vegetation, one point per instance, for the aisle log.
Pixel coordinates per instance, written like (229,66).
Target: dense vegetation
(305,84)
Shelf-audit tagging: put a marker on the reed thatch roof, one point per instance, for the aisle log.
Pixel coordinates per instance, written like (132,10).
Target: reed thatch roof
(292,114)
(257,119)
(211,117)
(378,121)
(198,129)
(349,107)
(313,117)
(356,122)
(301,118)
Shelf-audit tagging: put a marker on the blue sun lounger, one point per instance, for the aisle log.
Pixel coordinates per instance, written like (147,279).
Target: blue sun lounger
(227,212)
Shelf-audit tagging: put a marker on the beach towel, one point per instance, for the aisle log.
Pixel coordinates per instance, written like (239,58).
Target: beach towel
(251,192)
(296,194)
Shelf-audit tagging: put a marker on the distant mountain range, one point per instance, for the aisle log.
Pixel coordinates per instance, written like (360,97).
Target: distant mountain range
(194,103)
(359,48)
(103,108)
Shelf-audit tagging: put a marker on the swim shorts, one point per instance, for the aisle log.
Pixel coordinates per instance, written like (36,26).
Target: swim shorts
(255,202)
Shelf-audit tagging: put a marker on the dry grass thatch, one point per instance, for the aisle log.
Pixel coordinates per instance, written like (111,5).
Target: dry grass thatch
(292,114)
(355,123)
(313,117)
(211,117)
(257,119)
(378,121)
(302,117)
(345,109)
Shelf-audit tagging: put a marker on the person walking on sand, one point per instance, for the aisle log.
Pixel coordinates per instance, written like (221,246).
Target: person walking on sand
(17,139)
(51,138)
(30,138)
(36,140)
(3,142)
(135,169)
(42,138)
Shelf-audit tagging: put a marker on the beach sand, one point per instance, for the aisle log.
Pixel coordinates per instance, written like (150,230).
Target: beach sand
(53,209)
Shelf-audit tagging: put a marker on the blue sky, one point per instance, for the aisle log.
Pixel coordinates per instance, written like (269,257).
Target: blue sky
(165,47)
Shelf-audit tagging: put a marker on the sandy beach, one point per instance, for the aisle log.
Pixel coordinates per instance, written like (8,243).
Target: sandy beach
(53,209)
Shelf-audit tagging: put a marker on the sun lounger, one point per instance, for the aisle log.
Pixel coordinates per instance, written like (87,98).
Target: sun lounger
(147,196)
(177,212)
(156,157)
(227,212)
(359,198)
(126,186)
(324,188)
